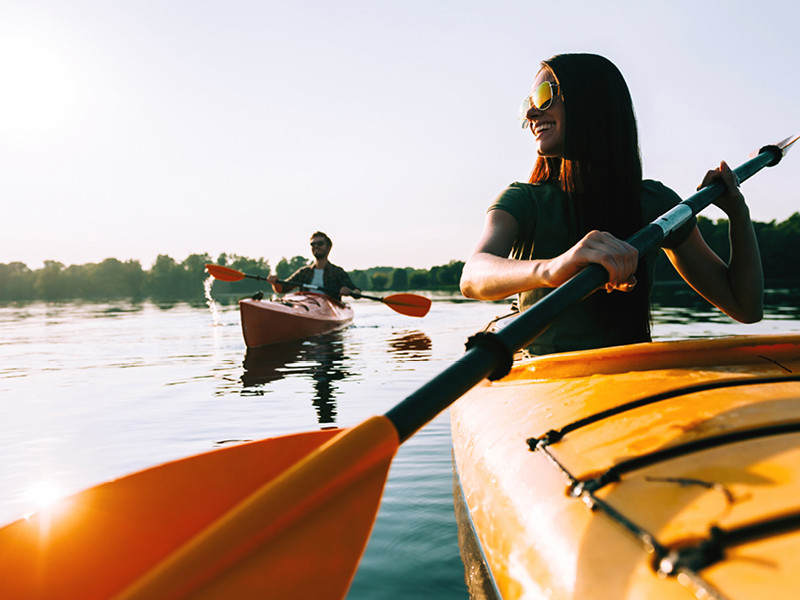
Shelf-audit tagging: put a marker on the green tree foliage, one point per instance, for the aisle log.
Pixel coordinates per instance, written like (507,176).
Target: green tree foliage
(285,268)
(168,279)
(108,279)
(379,281)
(399,280)
(251,266)
(420,280)
(163,279)
(192,275)
(449,275)
(446,276)
(48,280)
(780,248)
(17,282)
(360,279)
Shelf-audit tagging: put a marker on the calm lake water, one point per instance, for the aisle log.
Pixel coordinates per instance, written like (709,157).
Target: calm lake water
(93,391)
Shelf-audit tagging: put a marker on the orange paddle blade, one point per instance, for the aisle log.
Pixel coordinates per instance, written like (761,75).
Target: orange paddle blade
(224,273)
(408,304)
(285,517)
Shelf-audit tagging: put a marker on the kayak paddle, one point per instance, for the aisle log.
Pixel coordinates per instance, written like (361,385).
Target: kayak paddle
(410,305)
(285,517)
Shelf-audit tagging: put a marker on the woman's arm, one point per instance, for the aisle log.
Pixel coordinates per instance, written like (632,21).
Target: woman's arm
(736,288)
(490,275)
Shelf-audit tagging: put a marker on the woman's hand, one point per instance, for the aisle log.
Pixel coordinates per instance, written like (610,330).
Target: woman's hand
(732,201)
(735,286)
(619,258)
(490,275)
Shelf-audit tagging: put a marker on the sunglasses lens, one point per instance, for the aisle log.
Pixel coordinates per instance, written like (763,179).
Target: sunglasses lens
(542,96)
(541,99)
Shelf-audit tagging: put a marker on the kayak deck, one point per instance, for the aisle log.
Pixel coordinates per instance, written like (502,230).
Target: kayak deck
(587,473)
(295,316)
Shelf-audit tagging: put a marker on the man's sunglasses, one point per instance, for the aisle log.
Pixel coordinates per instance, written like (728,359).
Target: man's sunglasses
(318,244)
(541,99)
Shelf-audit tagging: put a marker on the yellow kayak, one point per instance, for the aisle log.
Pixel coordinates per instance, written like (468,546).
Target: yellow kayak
(667,470)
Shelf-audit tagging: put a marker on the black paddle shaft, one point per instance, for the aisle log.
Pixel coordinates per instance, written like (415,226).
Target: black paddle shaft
(490,355)
(316,288)
(299,286)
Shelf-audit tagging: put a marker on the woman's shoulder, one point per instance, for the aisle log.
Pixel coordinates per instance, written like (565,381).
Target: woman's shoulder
(656,189)
(525,201)
(523,191)
(657,197)
(533,188)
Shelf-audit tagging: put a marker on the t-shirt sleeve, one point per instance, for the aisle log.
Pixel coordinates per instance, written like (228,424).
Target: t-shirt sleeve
(664,199)
(516,201)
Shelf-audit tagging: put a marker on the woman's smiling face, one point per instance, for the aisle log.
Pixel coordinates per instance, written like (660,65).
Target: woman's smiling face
(548,125)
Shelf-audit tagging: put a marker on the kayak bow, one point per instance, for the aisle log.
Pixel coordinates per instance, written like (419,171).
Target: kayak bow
(299,315)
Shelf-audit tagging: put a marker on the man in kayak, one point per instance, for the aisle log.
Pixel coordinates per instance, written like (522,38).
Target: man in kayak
(332,280)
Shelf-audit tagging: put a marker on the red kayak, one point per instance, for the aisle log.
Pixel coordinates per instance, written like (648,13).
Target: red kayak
(297,315)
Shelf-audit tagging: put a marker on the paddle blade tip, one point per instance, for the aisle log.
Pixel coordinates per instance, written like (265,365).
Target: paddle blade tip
(784,146)
(224,273)
(410,305)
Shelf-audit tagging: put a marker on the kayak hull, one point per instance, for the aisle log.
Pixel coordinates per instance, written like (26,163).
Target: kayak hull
(638,452)
(296,316)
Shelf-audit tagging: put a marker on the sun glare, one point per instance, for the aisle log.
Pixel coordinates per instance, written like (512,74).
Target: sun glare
(40,93)
(43,494)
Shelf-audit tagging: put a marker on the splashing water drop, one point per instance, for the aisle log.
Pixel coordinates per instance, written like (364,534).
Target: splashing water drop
(212,305)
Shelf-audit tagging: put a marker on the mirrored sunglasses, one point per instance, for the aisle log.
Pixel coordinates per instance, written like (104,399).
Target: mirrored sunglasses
(541,99)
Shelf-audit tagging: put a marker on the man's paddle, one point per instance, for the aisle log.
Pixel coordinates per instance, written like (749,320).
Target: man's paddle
(410,305)
(285,517)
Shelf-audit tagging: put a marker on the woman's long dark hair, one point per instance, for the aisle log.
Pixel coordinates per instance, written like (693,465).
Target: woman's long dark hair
(601,173)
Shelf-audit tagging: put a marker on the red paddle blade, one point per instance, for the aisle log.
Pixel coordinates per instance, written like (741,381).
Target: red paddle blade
(224,273)
(408,304)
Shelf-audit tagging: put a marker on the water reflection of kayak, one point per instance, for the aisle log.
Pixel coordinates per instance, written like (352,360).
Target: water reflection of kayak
(320,360)
(295,316)
(687,455)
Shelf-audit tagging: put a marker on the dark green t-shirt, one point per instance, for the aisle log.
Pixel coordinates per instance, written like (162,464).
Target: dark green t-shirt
(541,212)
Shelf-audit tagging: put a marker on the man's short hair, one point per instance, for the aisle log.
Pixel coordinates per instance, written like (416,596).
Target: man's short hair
(322,235)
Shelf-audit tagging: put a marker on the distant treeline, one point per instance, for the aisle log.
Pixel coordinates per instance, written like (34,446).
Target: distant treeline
(169,279)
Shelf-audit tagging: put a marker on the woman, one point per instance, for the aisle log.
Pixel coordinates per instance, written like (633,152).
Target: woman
(584,197)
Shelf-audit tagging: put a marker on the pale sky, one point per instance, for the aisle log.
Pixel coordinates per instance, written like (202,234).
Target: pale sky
(135,128)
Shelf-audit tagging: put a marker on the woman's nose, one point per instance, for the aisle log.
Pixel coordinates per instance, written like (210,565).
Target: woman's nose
(531,114)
